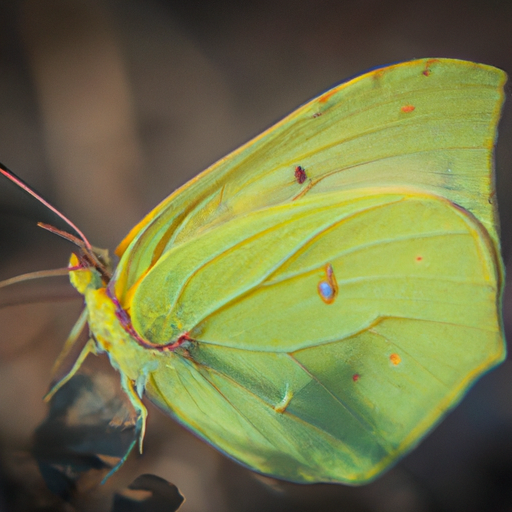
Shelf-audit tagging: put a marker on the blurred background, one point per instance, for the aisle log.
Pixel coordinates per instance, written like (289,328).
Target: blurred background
(105,108)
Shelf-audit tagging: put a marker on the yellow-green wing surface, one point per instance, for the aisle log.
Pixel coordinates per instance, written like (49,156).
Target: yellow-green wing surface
(306,390)
(335,283)
(430,123)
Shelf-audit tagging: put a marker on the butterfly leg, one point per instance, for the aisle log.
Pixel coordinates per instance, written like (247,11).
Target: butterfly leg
(89,348)
(72,340)
(142,413)
(140,408)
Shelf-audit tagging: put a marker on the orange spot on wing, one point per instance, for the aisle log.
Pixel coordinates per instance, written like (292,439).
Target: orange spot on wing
(427,71)
(325,97)
(419,258)
(395,359)
(377,75)
(408,108)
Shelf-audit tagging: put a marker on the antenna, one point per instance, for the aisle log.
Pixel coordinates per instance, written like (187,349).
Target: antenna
(20,183)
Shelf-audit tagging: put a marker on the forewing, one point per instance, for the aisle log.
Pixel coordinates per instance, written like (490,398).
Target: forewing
(427,123)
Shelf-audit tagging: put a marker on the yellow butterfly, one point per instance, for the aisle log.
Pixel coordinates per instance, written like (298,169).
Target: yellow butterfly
(315,302)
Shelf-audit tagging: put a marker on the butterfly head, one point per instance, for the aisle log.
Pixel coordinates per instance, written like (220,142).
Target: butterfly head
(90,269)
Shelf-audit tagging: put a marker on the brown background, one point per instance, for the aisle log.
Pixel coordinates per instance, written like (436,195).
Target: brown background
(108,106)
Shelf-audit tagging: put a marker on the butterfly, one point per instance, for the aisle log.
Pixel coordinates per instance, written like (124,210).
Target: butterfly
(316,301)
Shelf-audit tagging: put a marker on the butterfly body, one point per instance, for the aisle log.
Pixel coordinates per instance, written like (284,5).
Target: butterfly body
(315,302)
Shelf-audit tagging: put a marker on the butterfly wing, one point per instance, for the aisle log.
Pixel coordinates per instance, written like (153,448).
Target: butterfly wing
(430,123)
(338,276)
(299,387)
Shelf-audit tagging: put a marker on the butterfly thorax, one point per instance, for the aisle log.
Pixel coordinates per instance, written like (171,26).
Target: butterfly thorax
(108,327)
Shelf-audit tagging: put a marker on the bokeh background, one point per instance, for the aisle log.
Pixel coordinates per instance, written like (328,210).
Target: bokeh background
(106,106)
